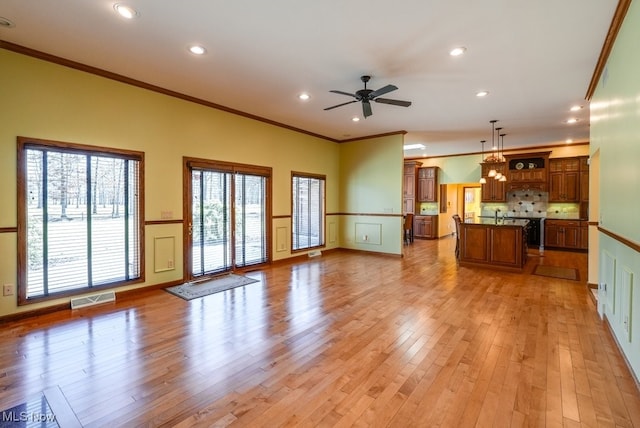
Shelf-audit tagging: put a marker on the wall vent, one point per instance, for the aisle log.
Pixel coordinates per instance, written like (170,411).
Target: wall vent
(315,253)
(95,299)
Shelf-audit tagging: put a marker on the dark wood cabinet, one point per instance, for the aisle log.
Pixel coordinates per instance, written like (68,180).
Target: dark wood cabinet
(584,179)
(428,184)
(444,206)
(564,164)
(528,175)
(493,190)
(527,171)
(584,235)
(530,187)
(425,226)
(562,234)
(409,185)
(564,180)
(498,246)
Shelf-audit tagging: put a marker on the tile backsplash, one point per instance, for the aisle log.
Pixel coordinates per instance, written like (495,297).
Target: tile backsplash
(523,203)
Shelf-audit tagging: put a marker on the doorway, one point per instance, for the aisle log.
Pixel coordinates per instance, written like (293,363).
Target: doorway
(471,203)
(226,214)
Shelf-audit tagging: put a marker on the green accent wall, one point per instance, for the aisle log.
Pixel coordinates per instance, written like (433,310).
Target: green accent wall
(615,148)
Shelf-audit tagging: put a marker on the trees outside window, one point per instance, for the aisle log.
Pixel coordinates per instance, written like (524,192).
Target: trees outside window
(308,211)
(79,218)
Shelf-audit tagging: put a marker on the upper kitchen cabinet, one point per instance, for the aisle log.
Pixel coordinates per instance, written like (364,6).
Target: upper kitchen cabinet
(527,171)
(409,184)
(564,180)
(493,190)
(428,184)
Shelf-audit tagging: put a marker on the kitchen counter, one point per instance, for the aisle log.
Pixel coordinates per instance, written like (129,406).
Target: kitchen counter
(500,244)
(499,222)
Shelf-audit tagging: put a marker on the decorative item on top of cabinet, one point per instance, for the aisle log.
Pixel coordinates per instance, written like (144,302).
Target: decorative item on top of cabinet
(564,180)
(493,190)
(428,184)
(410,181)
(425,226)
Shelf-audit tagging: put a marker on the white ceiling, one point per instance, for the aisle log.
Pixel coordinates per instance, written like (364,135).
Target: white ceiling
(536,58)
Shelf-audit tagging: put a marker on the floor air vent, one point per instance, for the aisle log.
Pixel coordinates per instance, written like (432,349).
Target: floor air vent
(96,299)
(315,253)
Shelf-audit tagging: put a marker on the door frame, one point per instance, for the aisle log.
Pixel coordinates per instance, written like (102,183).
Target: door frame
(477,195)
(232,168)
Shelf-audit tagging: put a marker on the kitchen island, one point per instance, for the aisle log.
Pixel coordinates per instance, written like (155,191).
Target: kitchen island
(497,243)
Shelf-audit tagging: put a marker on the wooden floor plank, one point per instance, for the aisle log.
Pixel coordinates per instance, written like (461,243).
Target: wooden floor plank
(345,339)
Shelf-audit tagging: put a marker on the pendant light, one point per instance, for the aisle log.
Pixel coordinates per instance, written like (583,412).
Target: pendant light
(498,154)
(482,179)
(504,177)
(492,171)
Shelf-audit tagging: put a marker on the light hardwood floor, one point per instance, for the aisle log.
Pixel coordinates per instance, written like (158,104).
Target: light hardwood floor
(345,339)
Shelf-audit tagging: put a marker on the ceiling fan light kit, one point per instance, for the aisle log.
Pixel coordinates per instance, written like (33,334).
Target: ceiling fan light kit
(365,96)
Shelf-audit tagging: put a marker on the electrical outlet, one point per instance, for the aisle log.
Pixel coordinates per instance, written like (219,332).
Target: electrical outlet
(170,264)
(7,290)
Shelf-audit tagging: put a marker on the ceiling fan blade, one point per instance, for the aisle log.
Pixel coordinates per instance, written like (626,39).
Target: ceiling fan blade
(382,91)
(343,104)
(345,93)
(393,102)
(366,108)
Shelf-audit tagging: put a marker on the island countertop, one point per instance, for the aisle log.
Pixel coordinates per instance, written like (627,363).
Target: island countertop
(500,244)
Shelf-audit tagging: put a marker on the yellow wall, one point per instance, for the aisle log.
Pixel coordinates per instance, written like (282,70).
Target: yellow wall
(52,102)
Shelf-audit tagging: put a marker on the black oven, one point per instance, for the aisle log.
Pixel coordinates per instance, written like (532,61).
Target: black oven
(533,231)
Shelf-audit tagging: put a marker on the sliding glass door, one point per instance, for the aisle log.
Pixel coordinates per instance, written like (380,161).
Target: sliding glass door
(227,213)
(210,222)
(250,219)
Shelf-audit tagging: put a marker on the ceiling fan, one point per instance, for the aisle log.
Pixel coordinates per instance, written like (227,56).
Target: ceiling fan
(367,95)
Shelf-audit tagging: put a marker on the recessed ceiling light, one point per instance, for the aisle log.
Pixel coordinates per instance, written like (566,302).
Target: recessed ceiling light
(126,11)
(457,51)
(6,23)
(356,119)
(197,50)
(481,94)
(304,96)
(569,141)
(576,108)
(572,120)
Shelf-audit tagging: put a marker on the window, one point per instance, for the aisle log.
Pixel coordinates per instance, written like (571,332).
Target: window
(79,218)
(308,211)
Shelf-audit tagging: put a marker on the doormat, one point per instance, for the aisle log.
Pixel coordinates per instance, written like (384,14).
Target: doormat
(556,272)
(194,290)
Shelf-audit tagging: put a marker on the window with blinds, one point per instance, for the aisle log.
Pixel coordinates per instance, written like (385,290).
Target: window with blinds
(80,220)
(307,211)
